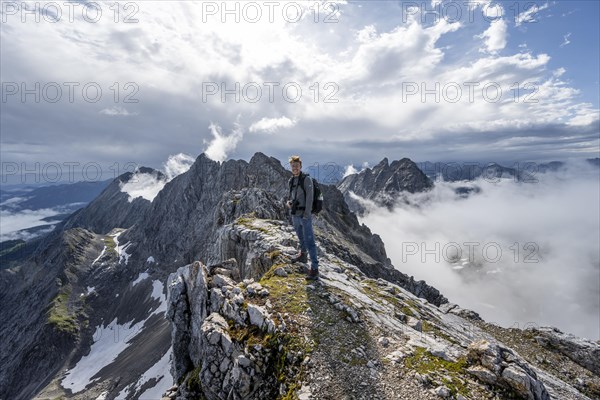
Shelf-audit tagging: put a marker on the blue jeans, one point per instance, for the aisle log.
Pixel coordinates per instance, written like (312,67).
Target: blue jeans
(304,230)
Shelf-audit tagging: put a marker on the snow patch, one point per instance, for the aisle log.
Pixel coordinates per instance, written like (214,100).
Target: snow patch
(102,396)
(121,249)
(112,340)
(141,277)
(123,254)
(100,256)
(122,395)
(161,372)
(109,342)
(157,293)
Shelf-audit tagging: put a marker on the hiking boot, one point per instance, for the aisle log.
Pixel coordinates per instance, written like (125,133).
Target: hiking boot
(312,275)
(302,257)
(302,269)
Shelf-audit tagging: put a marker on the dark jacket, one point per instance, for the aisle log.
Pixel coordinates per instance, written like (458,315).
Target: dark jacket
(305,198)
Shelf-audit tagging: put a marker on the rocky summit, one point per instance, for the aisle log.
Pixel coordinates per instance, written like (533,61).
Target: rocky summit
(384,184)
(192,296)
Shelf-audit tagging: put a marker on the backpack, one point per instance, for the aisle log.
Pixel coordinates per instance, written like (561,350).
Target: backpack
(317,204)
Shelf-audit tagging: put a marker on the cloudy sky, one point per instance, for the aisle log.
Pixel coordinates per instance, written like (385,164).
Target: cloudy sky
(101,85)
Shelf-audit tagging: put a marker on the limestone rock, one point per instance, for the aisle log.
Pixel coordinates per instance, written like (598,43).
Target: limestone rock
(442,391)
(260,317)
(496,364)
(187,295)
(582,351)
(415,323)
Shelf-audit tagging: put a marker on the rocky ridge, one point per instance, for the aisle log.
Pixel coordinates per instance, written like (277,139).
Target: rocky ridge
(346,336)
(104,268)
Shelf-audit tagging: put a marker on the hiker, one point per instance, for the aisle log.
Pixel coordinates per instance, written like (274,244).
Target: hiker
(300,203)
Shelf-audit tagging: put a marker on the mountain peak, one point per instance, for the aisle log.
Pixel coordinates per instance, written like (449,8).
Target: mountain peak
(126,176)
(404,162)
(382,164)
(260,157)
(384,183)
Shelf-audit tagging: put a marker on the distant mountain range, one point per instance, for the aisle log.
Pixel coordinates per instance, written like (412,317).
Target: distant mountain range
(383,184)
(49,204)
(36,198)
(467,171)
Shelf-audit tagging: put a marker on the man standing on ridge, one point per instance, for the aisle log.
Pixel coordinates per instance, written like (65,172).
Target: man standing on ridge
(300,202)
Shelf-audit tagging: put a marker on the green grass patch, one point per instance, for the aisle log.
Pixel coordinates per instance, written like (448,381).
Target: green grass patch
(59,314)
(425,363)
(249,335)
(287,294)
(430,328)
(407,311)
(248,221)
(194,385)
(110,244)
(291,392)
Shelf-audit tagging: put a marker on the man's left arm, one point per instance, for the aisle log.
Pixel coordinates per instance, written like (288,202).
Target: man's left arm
(308,188)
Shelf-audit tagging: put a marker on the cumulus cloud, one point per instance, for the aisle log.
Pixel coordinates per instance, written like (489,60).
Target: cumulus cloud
(177,164)
(491,10)
(143,185)
(272,125)
(402,52)
(148,185)
(350,169)
(221,144)
(584,116)
(559,72)
(506,252)
(495,36)
(366,57)
(367,34)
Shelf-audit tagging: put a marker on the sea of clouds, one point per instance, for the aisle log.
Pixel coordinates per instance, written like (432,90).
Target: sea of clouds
(530,251)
